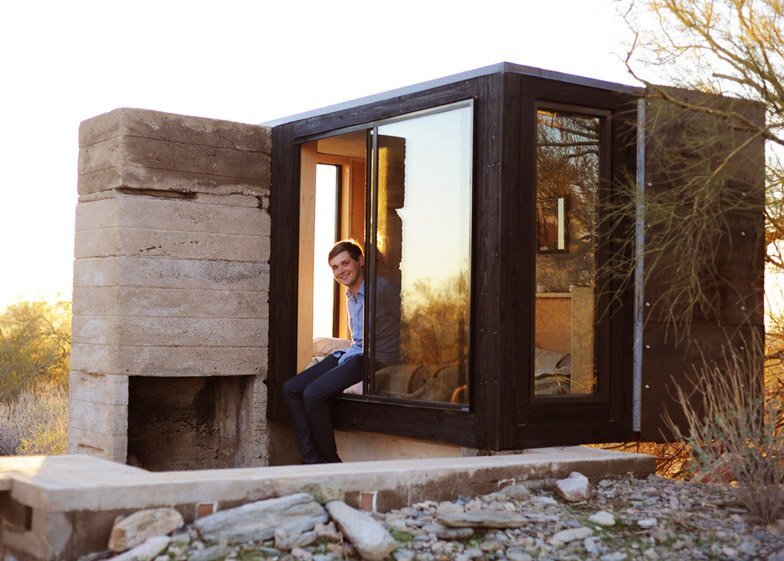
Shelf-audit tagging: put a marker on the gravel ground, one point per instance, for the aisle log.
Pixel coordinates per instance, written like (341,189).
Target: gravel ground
(624,519)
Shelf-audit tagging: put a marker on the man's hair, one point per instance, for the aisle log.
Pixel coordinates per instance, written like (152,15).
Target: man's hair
(353,248)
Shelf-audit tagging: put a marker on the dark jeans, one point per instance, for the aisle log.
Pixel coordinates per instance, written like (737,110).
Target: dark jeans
(307,397)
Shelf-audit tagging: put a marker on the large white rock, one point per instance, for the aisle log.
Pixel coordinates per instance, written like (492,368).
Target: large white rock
(370,538)
(135,529)
(574,488)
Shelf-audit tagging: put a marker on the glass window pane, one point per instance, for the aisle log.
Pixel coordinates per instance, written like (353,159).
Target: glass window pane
(567,184)
(422,237)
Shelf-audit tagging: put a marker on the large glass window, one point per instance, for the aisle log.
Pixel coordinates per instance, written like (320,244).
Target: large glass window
(567,188)
(422,238)
(413,217)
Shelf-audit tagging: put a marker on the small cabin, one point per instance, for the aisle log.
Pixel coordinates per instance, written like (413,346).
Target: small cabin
(486,203)
(511,251)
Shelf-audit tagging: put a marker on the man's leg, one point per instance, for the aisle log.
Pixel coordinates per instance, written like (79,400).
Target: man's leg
(293,390)
(317,397)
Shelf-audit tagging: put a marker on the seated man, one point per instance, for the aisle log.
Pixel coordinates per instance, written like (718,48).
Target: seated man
(308,394)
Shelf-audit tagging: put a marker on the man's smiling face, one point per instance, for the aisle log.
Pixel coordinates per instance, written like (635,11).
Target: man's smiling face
(347,271)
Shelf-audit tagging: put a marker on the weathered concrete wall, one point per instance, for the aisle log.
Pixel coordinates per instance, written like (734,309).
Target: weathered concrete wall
(171,269)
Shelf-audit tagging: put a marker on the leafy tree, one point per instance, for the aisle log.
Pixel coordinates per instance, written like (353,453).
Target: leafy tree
(35,345)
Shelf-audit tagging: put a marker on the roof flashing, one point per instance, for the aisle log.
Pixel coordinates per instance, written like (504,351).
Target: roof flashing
(499,68)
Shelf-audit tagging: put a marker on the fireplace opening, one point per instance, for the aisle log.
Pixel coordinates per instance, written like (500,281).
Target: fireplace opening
(188,423)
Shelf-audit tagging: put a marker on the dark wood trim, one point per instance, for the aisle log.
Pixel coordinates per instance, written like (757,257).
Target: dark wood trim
(284,213)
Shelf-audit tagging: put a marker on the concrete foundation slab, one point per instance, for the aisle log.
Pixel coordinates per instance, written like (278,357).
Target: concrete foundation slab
(80,492)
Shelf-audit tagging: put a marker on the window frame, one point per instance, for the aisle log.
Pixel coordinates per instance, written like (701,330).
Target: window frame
(431,421)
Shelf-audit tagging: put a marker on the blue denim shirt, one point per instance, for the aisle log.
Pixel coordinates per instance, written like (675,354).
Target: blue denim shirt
(387,323)
(356,323)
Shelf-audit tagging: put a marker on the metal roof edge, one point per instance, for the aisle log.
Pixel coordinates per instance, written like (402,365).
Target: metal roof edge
(499,68)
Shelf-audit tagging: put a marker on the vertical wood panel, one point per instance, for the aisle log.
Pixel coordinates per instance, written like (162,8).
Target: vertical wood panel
(307,234)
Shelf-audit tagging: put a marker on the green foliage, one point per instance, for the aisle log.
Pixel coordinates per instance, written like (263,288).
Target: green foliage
(401,537)
(35,345)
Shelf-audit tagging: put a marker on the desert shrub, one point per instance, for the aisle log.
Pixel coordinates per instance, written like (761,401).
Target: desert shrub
(35,345)
(35,422)
(735,427)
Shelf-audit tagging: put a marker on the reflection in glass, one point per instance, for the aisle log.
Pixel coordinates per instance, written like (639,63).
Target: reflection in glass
(422,236)
(567,184)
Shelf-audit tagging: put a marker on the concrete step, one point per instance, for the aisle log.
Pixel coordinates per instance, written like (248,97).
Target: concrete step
(60,507)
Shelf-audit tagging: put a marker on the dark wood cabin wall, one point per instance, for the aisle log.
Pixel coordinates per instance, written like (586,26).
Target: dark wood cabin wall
(735,324)
(498,282)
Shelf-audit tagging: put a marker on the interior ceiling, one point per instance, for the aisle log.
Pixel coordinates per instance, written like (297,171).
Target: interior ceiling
(350,145)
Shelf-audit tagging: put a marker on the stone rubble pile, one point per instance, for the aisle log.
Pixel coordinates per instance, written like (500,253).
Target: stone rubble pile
(620,519)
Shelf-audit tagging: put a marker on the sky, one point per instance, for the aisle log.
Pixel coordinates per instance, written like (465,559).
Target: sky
(64,62)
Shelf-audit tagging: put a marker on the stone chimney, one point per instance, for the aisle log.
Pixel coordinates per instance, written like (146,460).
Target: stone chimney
(171,279)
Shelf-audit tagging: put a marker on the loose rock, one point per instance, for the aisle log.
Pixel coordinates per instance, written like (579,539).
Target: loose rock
(603,518)
(258,521)
(287,541)
(647,523)
(212,553)
(323,492)
(329,532)
(135,529)
(483,519)
(368,536)
(145,551)
(574,488)
(570,535)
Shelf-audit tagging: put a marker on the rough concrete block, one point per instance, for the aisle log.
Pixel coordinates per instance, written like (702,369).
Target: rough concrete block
(106,418)
(170,273)
(180,128)
(149,150)
(94,387)
(123,360)
(154,213)
(48,537)
(255,451)
(93,184)
(177,181)
(128,152)
(158,331)
(190,182)
(102,127)
(170,302)
(179,245)
(101,445)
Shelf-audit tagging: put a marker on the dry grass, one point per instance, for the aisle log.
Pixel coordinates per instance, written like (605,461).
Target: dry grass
(739,432)
(36,422)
